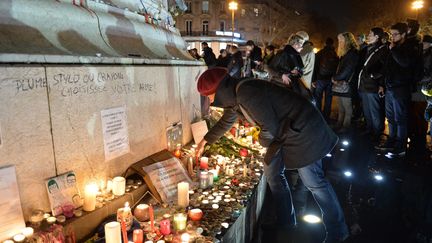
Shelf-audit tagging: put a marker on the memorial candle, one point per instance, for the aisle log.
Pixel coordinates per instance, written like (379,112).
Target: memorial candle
(185,237)
(195,214)
(124,231)
(119,186)
(151,213)
(112,232)
(210,179)
(203,179)
(141,212)
(138,236)
(180,222)
(177,152)
(90,197)
(183,194)
(27,232)
(204,163)
(165,227)
(19,238)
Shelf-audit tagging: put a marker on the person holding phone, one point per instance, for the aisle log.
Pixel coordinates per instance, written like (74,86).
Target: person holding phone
(371,83)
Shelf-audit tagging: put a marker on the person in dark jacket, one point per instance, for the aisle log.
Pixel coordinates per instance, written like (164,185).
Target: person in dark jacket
(236,62)
(398,74)
(295,133)
(223,58)
(326,63)
(348,53)
(427,77)
(371,83)
(255,54)
(208,55)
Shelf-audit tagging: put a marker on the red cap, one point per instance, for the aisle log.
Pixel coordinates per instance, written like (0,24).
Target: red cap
(209,81)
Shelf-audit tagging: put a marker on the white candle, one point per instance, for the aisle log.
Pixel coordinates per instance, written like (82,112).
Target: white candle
(27,231)
(19,238)
(119,186)
(109,186)
(183,194)
(90,197)
(8,241)
(185,237)
(112,232)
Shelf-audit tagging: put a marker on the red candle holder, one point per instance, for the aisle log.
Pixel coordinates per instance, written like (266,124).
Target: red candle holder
(195,214)
(138,236)
(165,227)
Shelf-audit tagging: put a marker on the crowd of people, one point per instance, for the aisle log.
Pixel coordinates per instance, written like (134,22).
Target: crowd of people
(384,74)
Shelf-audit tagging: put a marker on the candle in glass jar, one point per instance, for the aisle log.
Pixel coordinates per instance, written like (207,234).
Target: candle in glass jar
(112,232)
(183,194)
(138,236)
(165,227)
(210,179)
(119,186)
(203,179)
(204,163)
(141,212)
(90,197)
(177,151)
(180,221)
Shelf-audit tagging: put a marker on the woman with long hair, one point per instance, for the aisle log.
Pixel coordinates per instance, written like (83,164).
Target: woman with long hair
(348,54)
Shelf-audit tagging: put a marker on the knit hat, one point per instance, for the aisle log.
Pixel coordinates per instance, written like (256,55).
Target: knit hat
(209,81)
(427,38)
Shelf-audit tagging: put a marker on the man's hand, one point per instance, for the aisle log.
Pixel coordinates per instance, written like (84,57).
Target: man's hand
(200,148)
(285,79)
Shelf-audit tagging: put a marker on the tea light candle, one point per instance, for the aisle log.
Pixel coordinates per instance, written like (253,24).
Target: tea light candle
(203,179)
(112,232)
(183,194)
(138,236)
(51,220)
(179,222)
(204,163)
(195,214)
(46,215)
(90,197)
(215,206)
(19,238)
(185,237)
(205,193)
(8,241)
(119,186)
(211,198)
(165,227)
(28,231)
(167,216)
(141,212)
(77,212)
(205,202)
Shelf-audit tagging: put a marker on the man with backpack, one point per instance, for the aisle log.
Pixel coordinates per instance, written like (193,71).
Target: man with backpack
(295,133)
(326,62)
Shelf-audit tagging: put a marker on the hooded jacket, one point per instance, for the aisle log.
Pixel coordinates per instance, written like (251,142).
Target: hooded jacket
(287,120)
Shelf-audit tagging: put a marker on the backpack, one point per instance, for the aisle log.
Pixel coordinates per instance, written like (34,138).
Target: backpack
(328,63)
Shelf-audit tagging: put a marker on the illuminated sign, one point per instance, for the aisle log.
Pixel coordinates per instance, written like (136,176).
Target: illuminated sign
(228,33)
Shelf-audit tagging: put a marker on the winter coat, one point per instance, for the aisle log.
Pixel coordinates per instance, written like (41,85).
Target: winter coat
(371,73)
(399,67)
(209,57)
(287,120)
(326,62)
(346,69)
(308,58)
(255,55)
(223,61)
(235,65)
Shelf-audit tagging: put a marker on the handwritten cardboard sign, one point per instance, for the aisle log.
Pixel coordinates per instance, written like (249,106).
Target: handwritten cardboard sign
(11,220)
(165,175)
(63,192)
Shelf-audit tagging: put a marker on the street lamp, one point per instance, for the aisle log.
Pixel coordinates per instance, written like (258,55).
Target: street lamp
(232,6)
(417,5)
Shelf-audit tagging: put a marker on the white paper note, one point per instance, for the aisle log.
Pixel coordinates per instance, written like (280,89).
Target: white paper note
(115,132)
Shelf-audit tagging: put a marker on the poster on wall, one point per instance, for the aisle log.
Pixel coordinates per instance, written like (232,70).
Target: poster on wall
(164,176)
(63,193)
(11,220)
(115,132)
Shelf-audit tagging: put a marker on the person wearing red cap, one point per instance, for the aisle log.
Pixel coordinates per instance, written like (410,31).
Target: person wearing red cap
(294,132)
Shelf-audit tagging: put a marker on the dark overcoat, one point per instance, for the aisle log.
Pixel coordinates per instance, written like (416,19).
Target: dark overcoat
(287,120)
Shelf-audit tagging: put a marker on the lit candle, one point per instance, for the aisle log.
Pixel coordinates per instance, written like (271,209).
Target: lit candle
(51,220)
(124,214)
(177,152)
(183,194)
(28,231)
(215,206)
(141,212)
(112,232)
(195,214)
(90,197)
(8,241)
(180,221)
(19,238)
(185,237)
(204,163)
(119,186)
(165,227)
(203,179)
(124,231)
(138,236)
(210,179)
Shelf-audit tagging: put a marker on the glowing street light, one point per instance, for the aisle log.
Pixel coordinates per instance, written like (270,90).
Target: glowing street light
(417,5)
(233,6)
